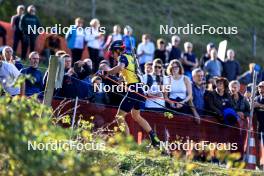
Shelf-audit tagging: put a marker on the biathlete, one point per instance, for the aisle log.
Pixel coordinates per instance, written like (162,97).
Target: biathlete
(127,67)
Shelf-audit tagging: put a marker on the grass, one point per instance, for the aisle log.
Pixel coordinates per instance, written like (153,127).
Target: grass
(146,16)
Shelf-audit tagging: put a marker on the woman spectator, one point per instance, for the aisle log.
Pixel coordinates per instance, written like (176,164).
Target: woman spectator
(93,38)
(181,88)
(219,99)
(160,52)
(9,57)
(75,39)
(241,105)
(189,59)
(155,87)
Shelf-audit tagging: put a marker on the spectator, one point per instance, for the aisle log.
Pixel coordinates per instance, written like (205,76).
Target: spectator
(18,34)
(181,88)
(83,69)
(231,67)
(145,51)
(36,86)
(75,39)
(8,76)
(160,52)
(99,96)
(68,69)
(148,69)
(247,77)
(11,58)
(174,50)
(213,67)
(259,108)
(207,56)
(198,90)
(93,43)
(116,35)
(155,87)
(247,93)
(115,96)
(219,99)
(29,20)
(241,104)
(3,34)
(129,40)
(189,59)
(51,46)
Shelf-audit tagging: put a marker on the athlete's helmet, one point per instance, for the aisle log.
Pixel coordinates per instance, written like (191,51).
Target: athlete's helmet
(117,45)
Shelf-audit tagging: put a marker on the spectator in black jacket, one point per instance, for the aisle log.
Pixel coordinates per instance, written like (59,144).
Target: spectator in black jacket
(29,24)
(3,34)
(83,68)
(174,50)
(241,105)
(206,56)
(231,67)
(15,20)
(220,98)
(160,52)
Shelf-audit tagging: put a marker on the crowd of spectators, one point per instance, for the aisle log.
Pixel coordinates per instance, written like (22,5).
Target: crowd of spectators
(205,86)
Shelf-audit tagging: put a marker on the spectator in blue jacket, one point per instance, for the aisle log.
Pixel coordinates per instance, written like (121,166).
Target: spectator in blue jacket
(129,40)
(173,48)
(36,86)
(75,39)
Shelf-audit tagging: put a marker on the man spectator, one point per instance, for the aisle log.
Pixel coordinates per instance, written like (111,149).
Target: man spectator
(8,76)
(11,58)
(231,67)
(213,67)
(247,77)
(189,60)
(51,46)
(129,40)
(15,20)
(93,43)
(259,108)
(174,50)
(145,51)
(28,23)
(36,86)
(198,90)
(206,56)
(83,68)
(75,39)
(160,51)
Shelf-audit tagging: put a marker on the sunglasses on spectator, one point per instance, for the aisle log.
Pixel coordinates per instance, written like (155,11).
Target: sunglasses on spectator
(157,66)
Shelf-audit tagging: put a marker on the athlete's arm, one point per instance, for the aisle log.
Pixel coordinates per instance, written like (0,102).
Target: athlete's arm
(116,69)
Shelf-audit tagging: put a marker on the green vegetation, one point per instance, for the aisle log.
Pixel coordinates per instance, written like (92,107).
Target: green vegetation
(23,120)
(146,16)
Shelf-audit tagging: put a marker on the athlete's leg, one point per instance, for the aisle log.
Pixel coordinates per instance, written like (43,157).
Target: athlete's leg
(141,121)
(120,117)
(145,125)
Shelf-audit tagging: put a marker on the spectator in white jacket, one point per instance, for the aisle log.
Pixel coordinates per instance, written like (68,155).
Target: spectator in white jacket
(145,51)
(93,42)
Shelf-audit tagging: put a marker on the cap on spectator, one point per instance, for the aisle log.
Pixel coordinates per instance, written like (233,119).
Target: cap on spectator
(230,116)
